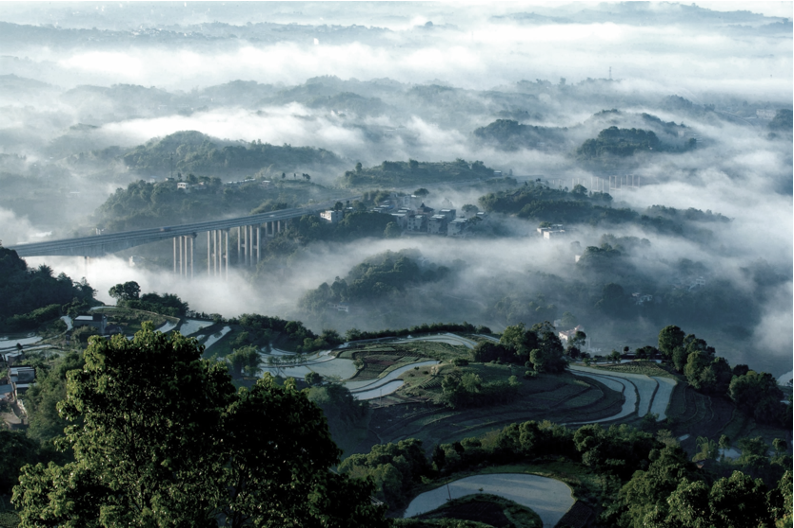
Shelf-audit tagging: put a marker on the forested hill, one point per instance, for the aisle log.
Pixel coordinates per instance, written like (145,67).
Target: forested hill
(540,202)
(193,152)
(508,134)
(399,173)
(145,204)
(33,296)
(376,279)
(607,133)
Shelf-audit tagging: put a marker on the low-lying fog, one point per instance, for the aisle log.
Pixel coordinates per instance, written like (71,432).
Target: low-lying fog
(413,80)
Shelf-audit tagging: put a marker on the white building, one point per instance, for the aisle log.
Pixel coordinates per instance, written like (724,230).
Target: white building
(331,216)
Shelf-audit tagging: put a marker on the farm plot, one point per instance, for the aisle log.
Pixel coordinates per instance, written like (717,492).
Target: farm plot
(214,338)
(388,384)
(191,326)
(614,383)
(662,398)
(549,498)
(643,393)
(450,339)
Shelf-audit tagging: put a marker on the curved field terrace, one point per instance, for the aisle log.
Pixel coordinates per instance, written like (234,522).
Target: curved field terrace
(643,393)
(547,497)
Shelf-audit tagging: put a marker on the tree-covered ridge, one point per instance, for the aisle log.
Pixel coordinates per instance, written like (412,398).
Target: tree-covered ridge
(754,393)
(31,297)
(194,152)
(621,142)
(621,134)
(508,134)
(400,173)
(376,279)
(146,204)
(538,201)
(128,295)
(350,102)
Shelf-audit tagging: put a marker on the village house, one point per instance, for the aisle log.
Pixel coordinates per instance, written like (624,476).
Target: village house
(552,231)
(565,335)
(401,219)
(416,222)
(331,216)
(457,227)
(98,321)
(437,225)
(21,378)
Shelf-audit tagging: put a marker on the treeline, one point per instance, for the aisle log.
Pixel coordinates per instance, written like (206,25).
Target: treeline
(469,390)
(754,393)
(262,331)
(538,201)
(31,297)
(191,151)
(166,304)
(354,334)
(149,204)
(509,135)
(400,173)
(641,477)
(620,142)
(377,278)
(537,348)
(128,295)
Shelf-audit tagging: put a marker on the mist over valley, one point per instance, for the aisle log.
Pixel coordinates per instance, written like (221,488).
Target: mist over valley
(426,246)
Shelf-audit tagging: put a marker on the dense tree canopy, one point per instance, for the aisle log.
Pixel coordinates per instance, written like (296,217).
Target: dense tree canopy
(31,297)
(161,438)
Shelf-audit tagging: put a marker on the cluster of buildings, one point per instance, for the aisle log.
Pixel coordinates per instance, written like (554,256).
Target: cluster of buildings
(417,219)
(20,377)
(202,186)
(552,231)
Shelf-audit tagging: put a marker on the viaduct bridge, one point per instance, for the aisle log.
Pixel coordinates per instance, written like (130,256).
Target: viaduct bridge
(250,231)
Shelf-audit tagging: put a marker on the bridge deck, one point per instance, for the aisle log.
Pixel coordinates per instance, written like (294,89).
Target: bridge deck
(99,245)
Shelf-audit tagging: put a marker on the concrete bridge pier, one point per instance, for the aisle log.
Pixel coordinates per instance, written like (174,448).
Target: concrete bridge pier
(186,255)
(249,240)
(218,253)
(239,244)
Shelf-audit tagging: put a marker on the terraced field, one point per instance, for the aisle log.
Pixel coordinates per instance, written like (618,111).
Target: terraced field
(549,498)
(643,393)
(554,397)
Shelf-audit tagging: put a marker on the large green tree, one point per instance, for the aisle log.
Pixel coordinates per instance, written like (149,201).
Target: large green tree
(164,439)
